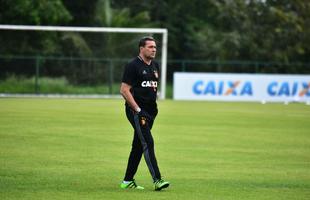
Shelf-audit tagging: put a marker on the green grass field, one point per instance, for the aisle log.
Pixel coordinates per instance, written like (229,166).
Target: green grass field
(78,149)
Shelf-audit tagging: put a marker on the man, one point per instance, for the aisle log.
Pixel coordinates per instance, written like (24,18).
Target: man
(139,89)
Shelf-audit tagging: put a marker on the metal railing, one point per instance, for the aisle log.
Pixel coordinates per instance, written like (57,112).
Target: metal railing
(108,71)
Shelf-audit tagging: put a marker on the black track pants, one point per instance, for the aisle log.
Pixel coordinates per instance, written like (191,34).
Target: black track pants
(143,143)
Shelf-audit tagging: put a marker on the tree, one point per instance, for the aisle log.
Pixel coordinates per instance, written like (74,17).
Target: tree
(114,45)
(31,12)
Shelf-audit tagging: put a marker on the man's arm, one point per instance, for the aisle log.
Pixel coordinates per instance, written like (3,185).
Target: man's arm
(125,92)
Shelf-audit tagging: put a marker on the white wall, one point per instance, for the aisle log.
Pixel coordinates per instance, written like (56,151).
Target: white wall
(241,87)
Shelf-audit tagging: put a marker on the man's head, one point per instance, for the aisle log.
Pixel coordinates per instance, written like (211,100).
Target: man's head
(147,47)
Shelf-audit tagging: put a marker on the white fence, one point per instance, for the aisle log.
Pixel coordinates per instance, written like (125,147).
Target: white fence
(241,87)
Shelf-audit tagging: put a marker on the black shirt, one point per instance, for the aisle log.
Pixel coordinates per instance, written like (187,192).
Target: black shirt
(143,79)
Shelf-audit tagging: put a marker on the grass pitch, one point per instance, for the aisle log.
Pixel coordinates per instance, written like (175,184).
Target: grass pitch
(78,149)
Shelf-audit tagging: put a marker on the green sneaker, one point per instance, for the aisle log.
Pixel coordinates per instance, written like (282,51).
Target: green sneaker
(161,184)
(131,185)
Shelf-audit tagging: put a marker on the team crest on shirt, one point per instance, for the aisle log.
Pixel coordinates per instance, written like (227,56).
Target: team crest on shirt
(155,74)
(143,121)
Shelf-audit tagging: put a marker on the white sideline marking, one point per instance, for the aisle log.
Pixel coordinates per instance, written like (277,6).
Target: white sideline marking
(69,96)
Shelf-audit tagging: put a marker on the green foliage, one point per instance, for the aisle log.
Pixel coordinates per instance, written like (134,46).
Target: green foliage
(43,12)
(31,12)
(15,84)
(23,85)
(235,30)
(46,85)
(114,45)
(225,30)
(75,45)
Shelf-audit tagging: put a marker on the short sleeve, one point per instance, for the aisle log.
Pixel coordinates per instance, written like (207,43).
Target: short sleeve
(157,68)
(129,75)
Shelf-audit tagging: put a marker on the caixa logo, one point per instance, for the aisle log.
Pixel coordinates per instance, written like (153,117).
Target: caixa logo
(234,88)
(289,89)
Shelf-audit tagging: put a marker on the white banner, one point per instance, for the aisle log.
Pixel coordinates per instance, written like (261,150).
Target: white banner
(241,87)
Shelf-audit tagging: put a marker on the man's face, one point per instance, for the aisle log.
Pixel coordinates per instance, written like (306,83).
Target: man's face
(149,50)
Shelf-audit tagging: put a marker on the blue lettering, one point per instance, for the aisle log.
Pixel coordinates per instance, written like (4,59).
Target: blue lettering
(306,86)
(232,86)
(221,86)
(197,87)
(284,90)
(210,88)
(247,89)
(295,88)
(271,90)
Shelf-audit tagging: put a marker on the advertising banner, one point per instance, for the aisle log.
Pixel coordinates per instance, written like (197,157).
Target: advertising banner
(241,87)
